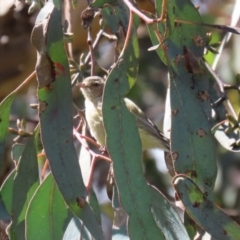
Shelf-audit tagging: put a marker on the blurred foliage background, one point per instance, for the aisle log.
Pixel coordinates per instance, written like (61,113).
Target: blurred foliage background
(18,58)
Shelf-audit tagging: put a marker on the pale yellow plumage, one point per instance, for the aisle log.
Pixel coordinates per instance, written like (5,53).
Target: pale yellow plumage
(92,89)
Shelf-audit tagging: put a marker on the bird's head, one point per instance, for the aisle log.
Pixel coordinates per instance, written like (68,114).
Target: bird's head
(92,88)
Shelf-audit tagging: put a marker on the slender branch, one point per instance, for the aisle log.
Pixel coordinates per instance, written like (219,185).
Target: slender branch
(140,14)
(143,16)
(109,36)
(95,156)
(98,37)
(79,138)
(25,82)
(89,41)
(90,140)
(128,32)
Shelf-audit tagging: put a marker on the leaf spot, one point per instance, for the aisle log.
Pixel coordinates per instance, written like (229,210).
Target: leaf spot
(175,112)
(198,40)
(42,106)
(81,202)
(177,59)
(201,133)
(58,69)
(203,95)
(175,156)
(196,204)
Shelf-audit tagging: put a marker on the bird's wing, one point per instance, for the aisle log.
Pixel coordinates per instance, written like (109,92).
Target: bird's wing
(143,122)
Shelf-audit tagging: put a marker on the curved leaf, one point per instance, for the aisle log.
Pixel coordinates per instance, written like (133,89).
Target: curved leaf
(5,108)
(47,215)
(25,183)
(7,191)
(55,98)
(133,190)
(204,212)
(192,143)
(166,217)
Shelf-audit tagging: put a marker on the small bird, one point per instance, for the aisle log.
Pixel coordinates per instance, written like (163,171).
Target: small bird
(92,89)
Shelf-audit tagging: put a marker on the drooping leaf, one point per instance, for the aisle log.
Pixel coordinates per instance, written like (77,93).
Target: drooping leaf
(133,190)
(5,107)
(4,214)
(192,143)
(25,183)
(47,215)
(17,150)
(55,112)
(7,191)
(204,212)
(166,217)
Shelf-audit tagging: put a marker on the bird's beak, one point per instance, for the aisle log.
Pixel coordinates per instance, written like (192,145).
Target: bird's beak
(81,85)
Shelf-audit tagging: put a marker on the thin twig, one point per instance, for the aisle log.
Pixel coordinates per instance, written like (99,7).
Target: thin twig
(143,16)
(25,82)
(110,37)
(94,155)
(98,37)
(79,138)
(128,32)
(89,41)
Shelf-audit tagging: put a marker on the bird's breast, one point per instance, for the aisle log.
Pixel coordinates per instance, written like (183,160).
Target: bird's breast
(95,123)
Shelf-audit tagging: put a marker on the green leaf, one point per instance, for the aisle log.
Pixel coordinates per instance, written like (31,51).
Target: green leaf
(5,108)
(17,150)
(55,99)
(191,140)
(94,205)
(4,214)
(115,15)
(166,217)
(7,191)
(47,215)
(190,226)
(204,212)
(26,182)
(133,190)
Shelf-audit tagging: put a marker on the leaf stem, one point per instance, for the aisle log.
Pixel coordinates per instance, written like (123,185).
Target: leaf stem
(25,82)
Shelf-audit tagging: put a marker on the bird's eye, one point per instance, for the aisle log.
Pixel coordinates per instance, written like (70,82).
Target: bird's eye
(95,85)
